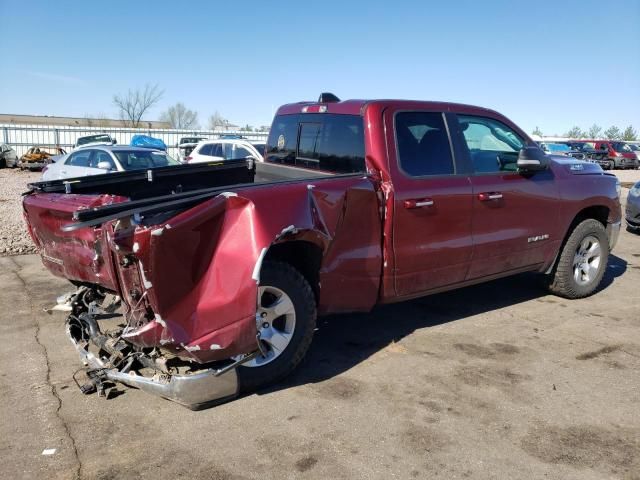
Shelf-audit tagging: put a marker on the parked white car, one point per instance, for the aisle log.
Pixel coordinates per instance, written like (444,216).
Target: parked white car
(222,149)
(260,146)
(98,139)
(186,145)
(100,160)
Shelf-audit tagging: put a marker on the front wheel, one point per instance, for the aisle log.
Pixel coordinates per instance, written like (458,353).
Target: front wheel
(286,320)
(582,262)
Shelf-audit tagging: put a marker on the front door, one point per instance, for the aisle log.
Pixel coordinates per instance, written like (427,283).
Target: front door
(515,216)
(432,204)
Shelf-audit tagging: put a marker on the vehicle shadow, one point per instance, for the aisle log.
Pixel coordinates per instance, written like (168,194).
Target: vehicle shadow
(343,341)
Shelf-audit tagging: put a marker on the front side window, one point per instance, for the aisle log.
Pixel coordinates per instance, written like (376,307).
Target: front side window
(79,159)
(493,146)
(101,156)
(423,144)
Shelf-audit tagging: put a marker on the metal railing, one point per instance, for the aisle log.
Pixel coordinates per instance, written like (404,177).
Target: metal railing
(23,137)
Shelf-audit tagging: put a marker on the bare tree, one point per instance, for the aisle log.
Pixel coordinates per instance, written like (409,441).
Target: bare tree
(179,116)
(216,120)
(629,134)
(595,131)
(613,133)
(575,132)
(136,103)
(537,132)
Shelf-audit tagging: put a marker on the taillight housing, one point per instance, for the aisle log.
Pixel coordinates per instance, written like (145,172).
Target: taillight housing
(188,159)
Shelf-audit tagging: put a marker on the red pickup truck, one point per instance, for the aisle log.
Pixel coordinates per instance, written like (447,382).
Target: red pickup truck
(222,268)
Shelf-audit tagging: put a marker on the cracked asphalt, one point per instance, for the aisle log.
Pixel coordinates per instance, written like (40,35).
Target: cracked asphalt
(498,381)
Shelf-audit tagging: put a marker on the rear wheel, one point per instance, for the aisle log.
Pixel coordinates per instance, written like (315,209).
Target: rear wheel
(582,262)
(286,319)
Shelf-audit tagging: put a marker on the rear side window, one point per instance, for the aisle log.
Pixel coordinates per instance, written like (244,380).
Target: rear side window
(332,143)
(423,144)
(205,149)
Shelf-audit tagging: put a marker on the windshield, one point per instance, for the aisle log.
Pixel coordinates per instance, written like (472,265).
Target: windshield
(557,147)
(93,139)
(621,147)
(191,139)
(140,160)
(634,147)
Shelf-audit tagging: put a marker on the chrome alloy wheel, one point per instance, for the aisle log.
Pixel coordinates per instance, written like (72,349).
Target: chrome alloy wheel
(586,261)
(276,323)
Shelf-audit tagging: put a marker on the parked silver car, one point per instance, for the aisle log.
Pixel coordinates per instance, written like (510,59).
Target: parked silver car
(99,160)
(8,156)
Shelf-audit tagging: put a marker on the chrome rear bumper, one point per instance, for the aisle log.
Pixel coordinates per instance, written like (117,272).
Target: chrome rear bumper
(201,389)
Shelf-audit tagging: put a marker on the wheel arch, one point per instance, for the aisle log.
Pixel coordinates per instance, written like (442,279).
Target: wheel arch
(304,255)
(596,212)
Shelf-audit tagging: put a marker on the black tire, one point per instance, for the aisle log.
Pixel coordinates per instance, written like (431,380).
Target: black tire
(3,163)
(286,278)
(563,282)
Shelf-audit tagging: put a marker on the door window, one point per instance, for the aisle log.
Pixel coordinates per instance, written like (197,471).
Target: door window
(235,152)
(101,156)
(493,147)
(217,150)
(79,159)
(423,144)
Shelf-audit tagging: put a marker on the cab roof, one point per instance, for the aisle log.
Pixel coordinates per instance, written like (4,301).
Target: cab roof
(357,107)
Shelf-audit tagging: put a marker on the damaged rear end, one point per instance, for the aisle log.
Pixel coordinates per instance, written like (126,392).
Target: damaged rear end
(187,270)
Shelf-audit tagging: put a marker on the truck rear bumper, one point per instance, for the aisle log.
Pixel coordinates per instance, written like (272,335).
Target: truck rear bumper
(205,388)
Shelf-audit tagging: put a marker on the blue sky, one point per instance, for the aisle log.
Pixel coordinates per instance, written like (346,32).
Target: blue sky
(552,64)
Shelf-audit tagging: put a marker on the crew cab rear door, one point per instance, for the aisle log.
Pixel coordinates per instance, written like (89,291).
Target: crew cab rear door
(515,216)
(432,203)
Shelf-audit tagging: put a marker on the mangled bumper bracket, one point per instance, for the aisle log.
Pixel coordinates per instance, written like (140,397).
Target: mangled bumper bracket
(196,391)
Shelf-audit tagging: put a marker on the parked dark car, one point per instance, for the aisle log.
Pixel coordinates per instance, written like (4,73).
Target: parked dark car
(632,211)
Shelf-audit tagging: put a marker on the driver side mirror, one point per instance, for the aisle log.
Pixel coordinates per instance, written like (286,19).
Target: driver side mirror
(104,166)
(532,159)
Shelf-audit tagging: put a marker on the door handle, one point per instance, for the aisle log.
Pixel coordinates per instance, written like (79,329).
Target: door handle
(485,197)
(418,203)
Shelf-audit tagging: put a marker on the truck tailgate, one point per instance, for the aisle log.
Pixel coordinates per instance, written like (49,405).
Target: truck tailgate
(74,255)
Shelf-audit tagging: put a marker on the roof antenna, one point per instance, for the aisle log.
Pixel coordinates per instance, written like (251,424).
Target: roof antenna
(326,97)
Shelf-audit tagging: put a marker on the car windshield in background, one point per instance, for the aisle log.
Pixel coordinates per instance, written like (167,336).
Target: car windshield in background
(140,160)
(621,147)
(191,140)
(558,148)
(634,148)
(94,139)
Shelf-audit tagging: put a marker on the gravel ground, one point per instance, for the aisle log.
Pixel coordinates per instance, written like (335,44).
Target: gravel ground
(14,239)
